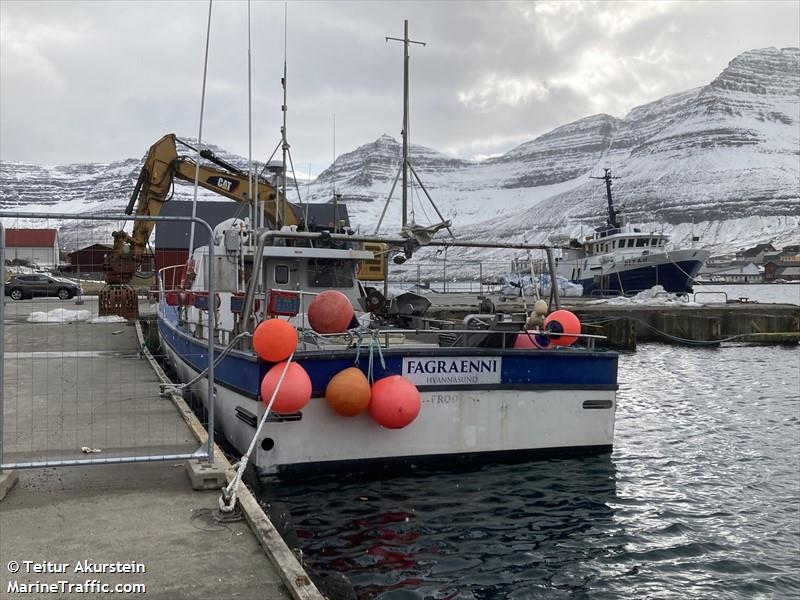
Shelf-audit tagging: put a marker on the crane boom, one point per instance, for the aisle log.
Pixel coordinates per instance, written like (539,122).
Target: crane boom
(161,167)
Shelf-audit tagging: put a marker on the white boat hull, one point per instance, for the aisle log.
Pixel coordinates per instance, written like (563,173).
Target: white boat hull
(453,424)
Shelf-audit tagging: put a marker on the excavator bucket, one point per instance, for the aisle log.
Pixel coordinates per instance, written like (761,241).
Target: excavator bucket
(118,299)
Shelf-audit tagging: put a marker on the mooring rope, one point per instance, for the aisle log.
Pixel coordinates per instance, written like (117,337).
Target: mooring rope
(374,343)
(227,500)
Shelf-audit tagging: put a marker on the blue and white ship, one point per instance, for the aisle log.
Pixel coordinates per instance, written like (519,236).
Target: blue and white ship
(622,260)
(480,397)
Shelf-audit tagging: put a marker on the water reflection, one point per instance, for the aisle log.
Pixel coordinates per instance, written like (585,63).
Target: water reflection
(488,533)
(700,499)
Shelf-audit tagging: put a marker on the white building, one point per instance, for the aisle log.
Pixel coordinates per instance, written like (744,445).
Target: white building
(36,246)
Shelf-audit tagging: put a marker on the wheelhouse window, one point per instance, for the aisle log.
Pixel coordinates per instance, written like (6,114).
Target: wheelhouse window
(330,273)
(281,274)
(641,242)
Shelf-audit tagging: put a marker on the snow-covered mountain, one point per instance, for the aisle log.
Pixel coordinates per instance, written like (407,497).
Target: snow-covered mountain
(722,159)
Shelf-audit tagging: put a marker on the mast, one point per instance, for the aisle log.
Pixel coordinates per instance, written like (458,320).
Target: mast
(612,215)
(404,166)
(281,208)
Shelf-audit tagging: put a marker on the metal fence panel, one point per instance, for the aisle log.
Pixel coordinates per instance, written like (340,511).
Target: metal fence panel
(75,387)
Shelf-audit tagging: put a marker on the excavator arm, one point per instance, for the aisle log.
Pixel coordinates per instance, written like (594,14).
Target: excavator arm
(161,167)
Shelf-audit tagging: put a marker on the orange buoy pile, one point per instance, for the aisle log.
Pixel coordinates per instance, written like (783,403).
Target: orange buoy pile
(274,340)
(395,402)
(330,312)
(295,391)
(559,324)
(349,393)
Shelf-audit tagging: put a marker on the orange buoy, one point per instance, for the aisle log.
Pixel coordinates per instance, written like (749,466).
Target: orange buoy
(348,392)
(562,322)
(531,339)
(274,340)
(295,390)
(395,402)
(330,312)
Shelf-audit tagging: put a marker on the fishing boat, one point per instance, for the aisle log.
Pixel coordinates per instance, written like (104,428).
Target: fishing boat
(488,387)
(619,259)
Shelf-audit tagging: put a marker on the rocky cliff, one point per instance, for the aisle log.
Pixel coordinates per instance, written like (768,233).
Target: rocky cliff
(722,160)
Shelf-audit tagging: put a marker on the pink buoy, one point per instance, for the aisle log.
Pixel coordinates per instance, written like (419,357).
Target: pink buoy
(295,390)
(330,312)
(562,322)
(274,340)
(395,402)
(530,340)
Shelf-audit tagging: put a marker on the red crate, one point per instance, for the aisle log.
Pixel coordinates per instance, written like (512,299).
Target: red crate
(283,303)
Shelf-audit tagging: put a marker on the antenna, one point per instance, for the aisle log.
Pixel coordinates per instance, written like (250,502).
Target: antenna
(280,202)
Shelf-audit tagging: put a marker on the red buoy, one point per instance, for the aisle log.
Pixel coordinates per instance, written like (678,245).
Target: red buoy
(274,340)
(531,339)
(348,392)
(395,402)
(562,322)
(295,390)
(330,312)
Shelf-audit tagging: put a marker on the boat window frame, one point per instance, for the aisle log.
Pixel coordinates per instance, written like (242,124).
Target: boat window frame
(281,280)
(313,270)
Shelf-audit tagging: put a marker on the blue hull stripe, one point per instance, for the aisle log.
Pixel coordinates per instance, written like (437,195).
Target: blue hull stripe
(675,278)
(539,369)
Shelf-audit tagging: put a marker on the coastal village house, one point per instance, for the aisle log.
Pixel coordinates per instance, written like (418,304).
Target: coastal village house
(761,263)
(738,271)
(39,247)
(783,265)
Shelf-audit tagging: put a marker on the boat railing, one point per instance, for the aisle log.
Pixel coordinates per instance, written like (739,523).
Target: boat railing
(724,295)
(160,278)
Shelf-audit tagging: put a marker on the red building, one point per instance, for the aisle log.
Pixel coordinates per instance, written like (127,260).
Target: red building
(88,261)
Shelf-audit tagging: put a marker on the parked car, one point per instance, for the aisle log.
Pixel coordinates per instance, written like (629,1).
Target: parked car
(28,286)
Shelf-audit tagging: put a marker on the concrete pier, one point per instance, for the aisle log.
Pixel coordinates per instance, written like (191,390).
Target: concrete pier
(140,526)
(629,324)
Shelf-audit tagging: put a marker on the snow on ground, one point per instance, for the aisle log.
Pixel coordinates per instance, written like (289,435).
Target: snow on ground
(655,296)
(109,319)
(59,315)
(64,315)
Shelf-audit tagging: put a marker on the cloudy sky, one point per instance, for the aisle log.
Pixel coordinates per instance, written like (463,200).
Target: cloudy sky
(100,81)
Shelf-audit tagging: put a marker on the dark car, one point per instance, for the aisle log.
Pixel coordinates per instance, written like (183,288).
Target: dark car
(28,286)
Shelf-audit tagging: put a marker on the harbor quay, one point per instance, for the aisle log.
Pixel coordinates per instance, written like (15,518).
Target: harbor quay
(76,390)
(739,320)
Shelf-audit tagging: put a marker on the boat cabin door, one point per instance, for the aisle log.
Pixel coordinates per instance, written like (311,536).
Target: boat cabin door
(282,274)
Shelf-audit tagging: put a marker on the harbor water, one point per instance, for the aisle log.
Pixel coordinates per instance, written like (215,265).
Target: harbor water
(700,499)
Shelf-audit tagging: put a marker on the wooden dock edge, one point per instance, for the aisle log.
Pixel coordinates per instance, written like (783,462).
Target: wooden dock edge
(297,581)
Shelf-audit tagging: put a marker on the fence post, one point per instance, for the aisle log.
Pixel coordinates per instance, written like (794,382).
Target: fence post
(2,331)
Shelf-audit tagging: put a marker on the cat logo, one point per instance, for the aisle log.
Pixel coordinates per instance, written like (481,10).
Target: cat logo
(229,185)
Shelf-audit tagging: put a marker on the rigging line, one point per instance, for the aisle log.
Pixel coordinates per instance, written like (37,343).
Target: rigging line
(200,132)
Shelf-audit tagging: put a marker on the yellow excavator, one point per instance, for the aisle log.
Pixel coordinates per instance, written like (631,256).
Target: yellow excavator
(162,166)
